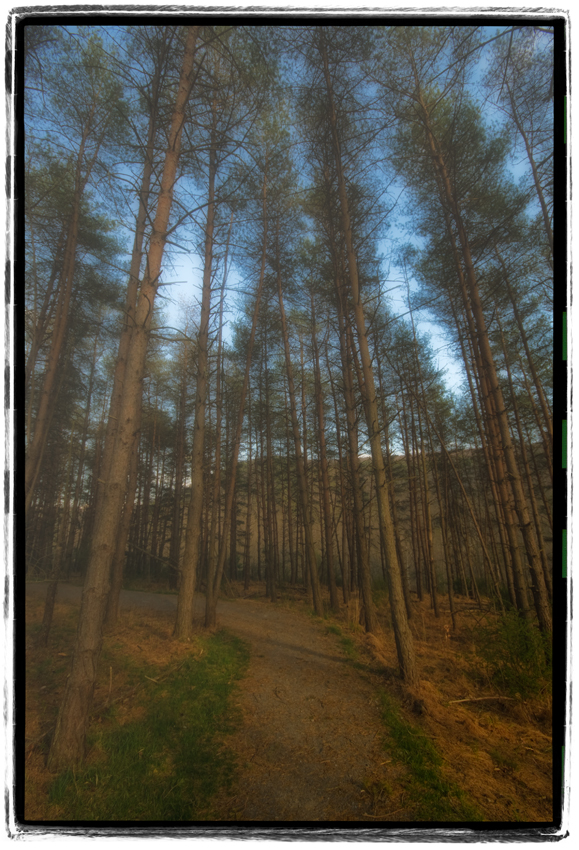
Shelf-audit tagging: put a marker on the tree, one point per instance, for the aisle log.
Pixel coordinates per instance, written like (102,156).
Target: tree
(86,106)
(68,742)
(439,133)
(402,633)
(226,119)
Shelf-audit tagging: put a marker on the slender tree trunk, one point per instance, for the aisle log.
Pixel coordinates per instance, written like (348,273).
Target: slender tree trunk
(492,394)
(392,494)
(302,482)
(539,573)
(443,529)
(57,554)
(466,498)
(402,633)
(290,512)
(547,444)
(120,556)
(325,482)
(132,289)
(536,179)
(48,393)
(213,526)
(530,359)
(344,559)
(411,494)
(269,505)
(362,574)
(184,621)
(248,517)
(43,318)
(74,518)
(210,611)
(69,738)
(176,525)
(546,504)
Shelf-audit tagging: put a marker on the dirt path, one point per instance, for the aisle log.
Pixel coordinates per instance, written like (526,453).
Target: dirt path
(311,733)
(309,747)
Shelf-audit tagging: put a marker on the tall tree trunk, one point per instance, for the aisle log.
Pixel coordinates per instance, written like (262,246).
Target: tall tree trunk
(466,498)
(57,554)
(360,575)
(213,526)
(491,391)
(310,554)
(190,560)
(402,633)
(539,577)
(74,517)
(269,505)
(211,598)
(536,179)
(326,512)
(530,359)
(120,556)
(344,560)
(69,738)
(54,365)
(132,289)
(176,524)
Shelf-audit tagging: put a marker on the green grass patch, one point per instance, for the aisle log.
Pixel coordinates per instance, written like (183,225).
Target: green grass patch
(434,797)
(169,763)
(348,645)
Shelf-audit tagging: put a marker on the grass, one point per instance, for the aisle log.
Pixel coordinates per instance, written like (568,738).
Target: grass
(169,760)
(348,646)
(515,656)
(433,797)
(503,760)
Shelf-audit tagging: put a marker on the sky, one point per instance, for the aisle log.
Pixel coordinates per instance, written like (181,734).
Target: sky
(189,276)
(184,277)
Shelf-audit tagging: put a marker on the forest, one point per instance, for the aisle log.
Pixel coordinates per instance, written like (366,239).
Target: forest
(288,334)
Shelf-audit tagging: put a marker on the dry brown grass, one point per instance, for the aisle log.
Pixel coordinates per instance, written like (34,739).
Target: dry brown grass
(498,750)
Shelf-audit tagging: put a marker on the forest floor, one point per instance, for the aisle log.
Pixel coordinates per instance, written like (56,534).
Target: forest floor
(324,715)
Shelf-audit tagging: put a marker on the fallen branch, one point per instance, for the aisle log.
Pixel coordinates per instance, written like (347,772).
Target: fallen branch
(381,817)
(479,699)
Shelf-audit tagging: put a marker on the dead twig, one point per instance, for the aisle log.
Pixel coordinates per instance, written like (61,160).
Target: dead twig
(381,817)
(480,699)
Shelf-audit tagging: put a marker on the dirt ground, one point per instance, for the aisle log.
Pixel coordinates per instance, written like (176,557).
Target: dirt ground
(311,744)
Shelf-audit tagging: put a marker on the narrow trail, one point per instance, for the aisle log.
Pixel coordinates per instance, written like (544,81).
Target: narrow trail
(311,734)
(309,747)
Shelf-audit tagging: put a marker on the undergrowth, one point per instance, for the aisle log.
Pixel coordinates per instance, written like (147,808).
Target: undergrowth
(516,657)
(433,797)
(168,762)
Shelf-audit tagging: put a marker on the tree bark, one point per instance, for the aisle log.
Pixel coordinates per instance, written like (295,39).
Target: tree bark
(327,515)
(402,633)
(67,746)
(190,560)
(491,391)
(310,554)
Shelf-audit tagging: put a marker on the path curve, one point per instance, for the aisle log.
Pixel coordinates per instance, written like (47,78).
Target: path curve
(309,748)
